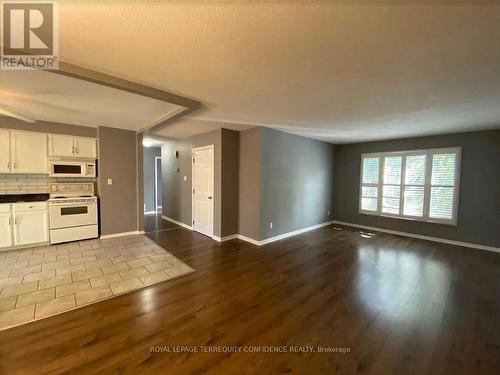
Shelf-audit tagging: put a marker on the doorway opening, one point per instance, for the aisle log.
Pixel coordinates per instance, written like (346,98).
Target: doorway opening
(158,185)
(152,180)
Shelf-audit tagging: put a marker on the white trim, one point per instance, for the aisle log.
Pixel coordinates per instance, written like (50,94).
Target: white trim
(150,213)
(248,239)
(225,238)
(294,233)
(272,239)
(121,234)
(193,150)
(177,222)
(422,237)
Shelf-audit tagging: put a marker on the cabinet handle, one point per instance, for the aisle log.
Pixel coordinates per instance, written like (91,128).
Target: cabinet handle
(10,221)
(8,165)
(15,165)
(16,221)
(76,148)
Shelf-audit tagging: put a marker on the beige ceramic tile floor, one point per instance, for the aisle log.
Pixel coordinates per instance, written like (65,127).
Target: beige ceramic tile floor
(44,281)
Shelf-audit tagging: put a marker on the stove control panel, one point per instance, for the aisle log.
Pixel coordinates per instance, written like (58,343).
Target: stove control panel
(71,189)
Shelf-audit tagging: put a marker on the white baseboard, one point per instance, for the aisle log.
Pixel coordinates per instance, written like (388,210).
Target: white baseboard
(177,222)
(226,238)
(113,235)
(248,239)
(421,237)
(149,212)
(272,239)
(294,233)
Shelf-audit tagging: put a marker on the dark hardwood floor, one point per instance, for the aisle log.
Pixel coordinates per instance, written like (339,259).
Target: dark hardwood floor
(401,306)
(154,223)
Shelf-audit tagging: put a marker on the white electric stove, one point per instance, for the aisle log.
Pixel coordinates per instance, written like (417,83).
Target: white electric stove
(73,212)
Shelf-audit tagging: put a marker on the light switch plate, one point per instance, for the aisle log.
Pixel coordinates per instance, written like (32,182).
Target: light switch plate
(110,181)
(185,178)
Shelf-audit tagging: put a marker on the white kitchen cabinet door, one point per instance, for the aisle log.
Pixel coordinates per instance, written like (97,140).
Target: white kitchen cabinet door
(4,151)
(28,152)
(31,227)
(61,145)
(85,147)
(5,230)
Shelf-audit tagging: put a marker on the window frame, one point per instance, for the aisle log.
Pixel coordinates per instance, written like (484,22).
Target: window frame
(427,184)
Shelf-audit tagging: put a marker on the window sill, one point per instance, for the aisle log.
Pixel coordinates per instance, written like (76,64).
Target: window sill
(418,219)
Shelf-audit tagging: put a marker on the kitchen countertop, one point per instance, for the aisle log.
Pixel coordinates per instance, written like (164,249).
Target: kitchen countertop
(14,198)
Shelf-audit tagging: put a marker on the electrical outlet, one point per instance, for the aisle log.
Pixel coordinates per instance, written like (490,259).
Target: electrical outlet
(271,225)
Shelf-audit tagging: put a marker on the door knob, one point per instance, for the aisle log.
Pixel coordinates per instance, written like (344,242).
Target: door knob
(209,197)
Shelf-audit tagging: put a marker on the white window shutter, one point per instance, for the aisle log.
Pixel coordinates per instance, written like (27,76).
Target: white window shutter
(442,186)
(391,190)
(369,184)
(419,185)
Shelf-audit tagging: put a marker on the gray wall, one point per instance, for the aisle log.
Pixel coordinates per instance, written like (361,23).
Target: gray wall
(118,150)
(47,127)
(250,166)
(230,141)
(177,193)
(479,196)
(284,179)
(297,182)
(149,155)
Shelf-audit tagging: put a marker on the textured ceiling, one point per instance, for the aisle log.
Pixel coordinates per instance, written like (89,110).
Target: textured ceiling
(189,126)
(337,71)
(45,96)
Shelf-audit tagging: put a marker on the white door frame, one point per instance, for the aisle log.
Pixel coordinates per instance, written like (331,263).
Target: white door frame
(156,185)
(208,147)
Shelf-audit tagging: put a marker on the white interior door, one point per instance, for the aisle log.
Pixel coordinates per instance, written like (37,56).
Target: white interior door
(203,190)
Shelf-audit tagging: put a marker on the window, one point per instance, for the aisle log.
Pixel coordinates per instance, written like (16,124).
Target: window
(419,185)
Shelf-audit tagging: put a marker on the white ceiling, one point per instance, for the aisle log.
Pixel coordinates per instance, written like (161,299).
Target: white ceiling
(46,96)
(338,71)
(189,126)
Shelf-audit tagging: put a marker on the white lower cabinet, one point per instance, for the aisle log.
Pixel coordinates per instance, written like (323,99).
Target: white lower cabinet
(25,224)
(5,230)
(30,228)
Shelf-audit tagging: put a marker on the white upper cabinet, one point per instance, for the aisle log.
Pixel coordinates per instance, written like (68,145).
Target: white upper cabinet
(61,145)
(28,152)
(4,151)
(85,147)
(69,146)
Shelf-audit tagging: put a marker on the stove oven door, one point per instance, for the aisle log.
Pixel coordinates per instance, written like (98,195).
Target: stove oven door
(72,214)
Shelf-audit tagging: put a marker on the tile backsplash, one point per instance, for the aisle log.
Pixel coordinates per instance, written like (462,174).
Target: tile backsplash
(24,184)
(31,183)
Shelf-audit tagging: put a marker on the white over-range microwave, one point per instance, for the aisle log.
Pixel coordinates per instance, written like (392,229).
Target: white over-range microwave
(72,168)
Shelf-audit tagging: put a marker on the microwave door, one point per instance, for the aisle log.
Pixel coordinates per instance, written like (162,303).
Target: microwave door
(66,169)
(70,169)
